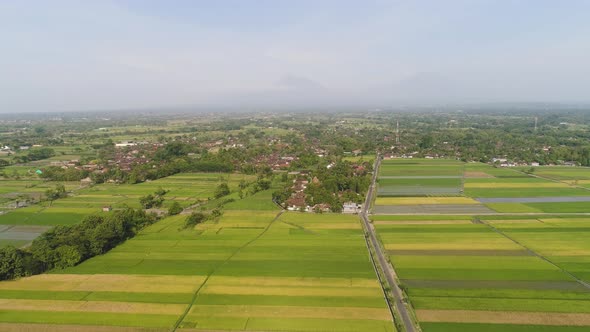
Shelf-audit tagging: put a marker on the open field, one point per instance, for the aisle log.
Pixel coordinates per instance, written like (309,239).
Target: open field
(423,187)
(423,200)
(526,192)
(562,241)
(34,188)
(516,192)
(185,188)
(461,275)
(420,177)
(19,236)
(247,271)
(563,173)
(432,209)
(467,273)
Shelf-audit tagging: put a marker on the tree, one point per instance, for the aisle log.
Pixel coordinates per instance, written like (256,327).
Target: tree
(263,184)
(11,263)
(65,246)
(194,219)
(222,190)
(147,202)
(161,192)
(67,256)
(58,192)
(175,209)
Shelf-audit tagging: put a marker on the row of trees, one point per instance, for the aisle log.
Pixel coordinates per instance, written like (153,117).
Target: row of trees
(55,173)
(35,154)
(65,246)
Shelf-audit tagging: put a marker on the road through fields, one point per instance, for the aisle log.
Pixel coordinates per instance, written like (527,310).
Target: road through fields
(387,269)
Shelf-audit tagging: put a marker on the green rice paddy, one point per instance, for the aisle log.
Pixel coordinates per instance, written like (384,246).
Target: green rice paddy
(521,267)
(253,270)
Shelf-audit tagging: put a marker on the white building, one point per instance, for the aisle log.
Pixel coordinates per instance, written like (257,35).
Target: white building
(125,144)
(351,208)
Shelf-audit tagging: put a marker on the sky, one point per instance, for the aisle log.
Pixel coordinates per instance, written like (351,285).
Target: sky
(125,54)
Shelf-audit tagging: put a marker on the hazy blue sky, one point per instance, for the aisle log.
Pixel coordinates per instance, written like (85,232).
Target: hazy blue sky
(78,55)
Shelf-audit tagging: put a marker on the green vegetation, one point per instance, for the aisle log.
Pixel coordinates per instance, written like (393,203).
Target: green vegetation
(66,246)
(227,258)
(254,277)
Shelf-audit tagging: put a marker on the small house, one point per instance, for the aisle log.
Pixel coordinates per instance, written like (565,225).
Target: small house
(107,209)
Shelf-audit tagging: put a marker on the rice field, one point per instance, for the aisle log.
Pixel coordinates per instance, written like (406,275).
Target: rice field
(249,271)
(420,177)
(491,259)
(187,189)
(460,274)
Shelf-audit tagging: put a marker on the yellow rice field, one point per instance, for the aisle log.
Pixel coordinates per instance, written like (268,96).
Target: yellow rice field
(106,282)
(91,306)
(294,282)
(289,312)
(504,317)
(290,291)
(421,222)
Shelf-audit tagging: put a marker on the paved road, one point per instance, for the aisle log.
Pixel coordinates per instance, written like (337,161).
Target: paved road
(388,270)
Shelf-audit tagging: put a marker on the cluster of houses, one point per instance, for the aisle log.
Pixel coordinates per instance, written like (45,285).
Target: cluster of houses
(128,156)
(7,150)
(399,156)
(504,162)
(297,200)
(231,143)
(274,160)
(75,163)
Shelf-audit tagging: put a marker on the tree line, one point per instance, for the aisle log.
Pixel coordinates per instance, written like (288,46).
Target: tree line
(65,246)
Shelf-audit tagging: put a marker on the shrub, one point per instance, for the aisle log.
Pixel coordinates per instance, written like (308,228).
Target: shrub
(175,209)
